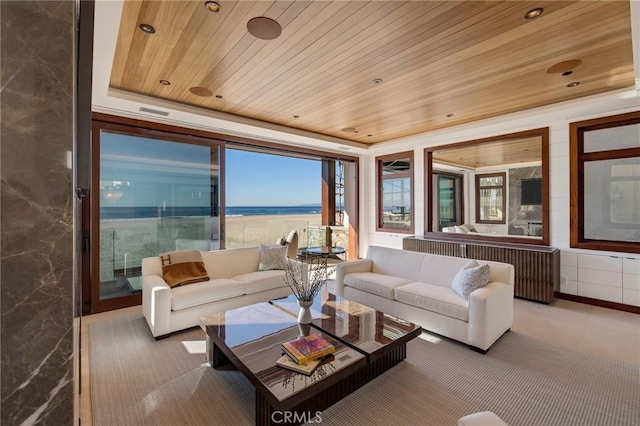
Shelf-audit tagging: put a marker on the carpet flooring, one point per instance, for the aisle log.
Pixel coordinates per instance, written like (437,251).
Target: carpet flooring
(136,380)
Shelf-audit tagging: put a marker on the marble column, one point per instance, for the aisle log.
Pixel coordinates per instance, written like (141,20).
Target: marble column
(36,141)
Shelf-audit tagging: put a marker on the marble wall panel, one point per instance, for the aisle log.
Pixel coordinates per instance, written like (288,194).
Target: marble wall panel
(522,218)
(36,139)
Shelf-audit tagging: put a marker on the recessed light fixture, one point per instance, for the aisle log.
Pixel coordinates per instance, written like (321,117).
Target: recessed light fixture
(450,115)
(219,96)
(201,91)
(533,13)
(296,116)
(146,28)
(165,82)
(566,73)
(377,81)
(264,28)
(573,84)
(212,6)
(369,135)
(348,129)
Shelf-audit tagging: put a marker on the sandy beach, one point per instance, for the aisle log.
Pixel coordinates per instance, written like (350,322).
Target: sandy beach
(246,231)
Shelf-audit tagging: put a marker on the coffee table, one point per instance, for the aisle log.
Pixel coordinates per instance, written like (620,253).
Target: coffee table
(368,343)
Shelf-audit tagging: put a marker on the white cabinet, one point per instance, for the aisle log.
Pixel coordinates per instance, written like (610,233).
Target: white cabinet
(631,281)
(600,277)
(611,278)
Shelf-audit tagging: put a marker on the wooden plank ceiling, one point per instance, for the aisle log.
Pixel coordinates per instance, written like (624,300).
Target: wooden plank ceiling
(472,59)
(499,153)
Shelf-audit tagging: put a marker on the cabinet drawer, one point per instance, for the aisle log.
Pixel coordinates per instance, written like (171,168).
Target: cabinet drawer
(631,266)
(631,282)
(595,291)
(595,276)
(603,263)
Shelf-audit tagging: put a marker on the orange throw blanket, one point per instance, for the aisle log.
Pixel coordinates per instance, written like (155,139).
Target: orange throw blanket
(183,267)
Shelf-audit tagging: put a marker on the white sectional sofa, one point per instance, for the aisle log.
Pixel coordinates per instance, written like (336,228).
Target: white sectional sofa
(417,287)
(234,281)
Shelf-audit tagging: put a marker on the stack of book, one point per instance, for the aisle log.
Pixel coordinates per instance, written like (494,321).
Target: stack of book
(305,353)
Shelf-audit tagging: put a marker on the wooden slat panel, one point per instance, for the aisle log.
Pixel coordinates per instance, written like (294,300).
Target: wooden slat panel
(473,59)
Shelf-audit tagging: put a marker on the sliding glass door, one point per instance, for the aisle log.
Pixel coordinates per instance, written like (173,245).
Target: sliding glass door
(152,196)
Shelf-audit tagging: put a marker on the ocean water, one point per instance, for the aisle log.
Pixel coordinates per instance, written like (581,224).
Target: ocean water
(273,210)
(110,212)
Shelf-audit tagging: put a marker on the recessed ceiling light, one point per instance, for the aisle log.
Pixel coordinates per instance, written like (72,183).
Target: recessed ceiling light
(533,13)
(348,129)
(296,116)
(566,73)
(212,6)
(573,84)
(450,115)
(201,91)
(165,82)
(377,81)
(264,28)
(369,135)
(146,28)
(219,96)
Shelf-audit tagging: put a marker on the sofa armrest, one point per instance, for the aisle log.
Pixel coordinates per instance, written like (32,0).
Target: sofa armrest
(156,304)
(490,314)
(352,266)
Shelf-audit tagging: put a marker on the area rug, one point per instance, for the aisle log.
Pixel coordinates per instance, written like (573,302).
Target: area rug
(136,380)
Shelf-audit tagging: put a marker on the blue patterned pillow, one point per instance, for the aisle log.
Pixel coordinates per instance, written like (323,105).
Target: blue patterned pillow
(471,277)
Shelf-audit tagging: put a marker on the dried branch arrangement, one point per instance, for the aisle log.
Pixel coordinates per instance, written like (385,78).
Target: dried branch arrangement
(306,279)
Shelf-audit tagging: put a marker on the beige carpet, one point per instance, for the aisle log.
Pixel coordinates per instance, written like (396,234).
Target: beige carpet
(138,381)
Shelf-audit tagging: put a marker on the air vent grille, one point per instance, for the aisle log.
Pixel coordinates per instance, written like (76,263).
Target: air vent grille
(154,111)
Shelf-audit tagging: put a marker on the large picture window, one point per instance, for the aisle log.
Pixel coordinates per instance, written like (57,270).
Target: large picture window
(395,192)
(605,183)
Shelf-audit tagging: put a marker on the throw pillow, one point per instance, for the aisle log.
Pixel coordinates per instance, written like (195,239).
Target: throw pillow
(272,256)
(183,267)
(471,277)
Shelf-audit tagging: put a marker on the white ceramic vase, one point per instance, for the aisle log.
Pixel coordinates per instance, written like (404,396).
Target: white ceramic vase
(304,316)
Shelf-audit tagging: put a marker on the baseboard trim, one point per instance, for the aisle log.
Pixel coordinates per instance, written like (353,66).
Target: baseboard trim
(598,302)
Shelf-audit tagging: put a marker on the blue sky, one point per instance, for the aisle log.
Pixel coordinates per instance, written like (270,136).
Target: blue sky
(255,179)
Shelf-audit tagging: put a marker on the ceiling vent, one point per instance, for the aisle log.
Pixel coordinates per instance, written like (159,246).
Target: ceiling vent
(154,111)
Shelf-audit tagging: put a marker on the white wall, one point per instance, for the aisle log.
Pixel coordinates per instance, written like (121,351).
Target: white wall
(556,117)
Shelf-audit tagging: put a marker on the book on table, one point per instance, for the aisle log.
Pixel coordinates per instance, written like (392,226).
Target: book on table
(307,368)
(308,348)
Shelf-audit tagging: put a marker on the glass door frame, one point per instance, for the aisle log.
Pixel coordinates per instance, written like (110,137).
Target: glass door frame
(458,201)
(133,128)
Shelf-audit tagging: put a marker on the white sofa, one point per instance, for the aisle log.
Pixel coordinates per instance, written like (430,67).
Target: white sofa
(417,287)
(234,281)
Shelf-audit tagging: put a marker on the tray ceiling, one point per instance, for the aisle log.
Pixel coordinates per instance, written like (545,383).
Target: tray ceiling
(440,63)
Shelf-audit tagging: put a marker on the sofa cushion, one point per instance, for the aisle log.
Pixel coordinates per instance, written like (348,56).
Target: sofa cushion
(471,277)
(382,285)
(272,256)
(433,298)
(205,292)
(183,267)
(255,282)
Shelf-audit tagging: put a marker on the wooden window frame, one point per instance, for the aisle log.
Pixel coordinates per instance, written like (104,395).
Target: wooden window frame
(379,193)
(479,176)
(436,214)
(577,161)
